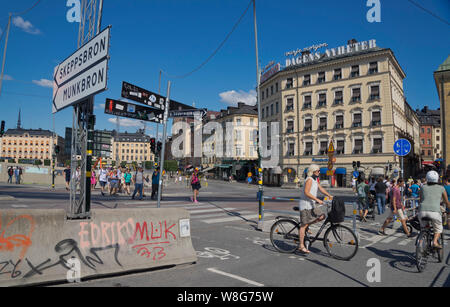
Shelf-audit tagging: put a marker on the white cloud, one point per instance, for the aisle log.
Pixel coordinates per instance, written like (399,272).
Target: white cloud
(126,122)
(44,83)
(25,25)
(100,107)
(232,97)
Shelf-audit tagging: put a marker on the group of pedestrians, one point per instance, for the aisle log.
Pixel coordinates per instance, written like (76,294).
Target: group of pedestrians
(117,180)
(16,172)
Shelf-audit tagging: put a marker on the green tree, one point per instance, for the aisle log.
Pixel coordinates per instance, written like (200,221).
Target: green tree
(171,165)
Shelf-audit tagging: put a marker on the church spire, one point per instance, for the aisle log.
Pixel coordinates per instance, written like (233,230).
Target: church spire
(18,121)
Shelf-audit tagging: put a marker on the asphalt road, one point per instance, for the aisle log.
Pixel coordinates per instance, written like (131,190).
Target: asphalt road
(233,253)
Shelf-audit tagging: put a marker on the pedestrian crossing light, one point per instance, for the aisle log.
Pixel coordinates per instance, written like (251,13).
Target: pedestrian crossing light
(153,145)
(158,147)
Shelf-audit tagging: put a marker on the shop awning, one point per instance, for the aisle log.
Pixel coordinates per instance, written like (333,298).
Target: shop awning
(427,162)
(341,171)
(377,171)
(224,166)
(323,170)
(207,169)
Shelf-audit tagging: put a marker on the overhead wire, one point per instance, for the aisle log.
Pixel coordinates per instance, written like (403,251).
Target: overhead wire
(214,52)
(28,9)
(429,12)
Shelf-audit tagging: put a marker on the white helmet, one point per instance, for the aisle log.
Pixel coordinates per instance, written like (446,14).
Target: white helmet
(433,177)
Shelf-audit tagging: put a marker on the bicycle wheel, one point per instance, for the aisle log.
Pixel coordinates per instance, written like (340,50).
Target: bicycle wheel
(422,251)
(340,242)
(284,236)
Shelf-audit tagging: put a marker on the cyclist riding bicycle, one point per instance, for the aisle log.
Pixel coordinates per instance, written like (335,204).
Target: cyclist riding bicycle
(429,206)
(308,213)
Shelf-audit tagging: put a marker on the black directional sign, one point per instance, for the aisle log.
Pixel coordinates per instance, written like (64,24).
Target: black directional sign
(131,110)
(188,113)
(144,96)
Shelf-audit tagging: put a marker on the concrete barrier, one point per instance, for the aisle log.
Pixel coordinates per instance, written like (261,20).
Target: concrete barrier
(33,174)
(38,246)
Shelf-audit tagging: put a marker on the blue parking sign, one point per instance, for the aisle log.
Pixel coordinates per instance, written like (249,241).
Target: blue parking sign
(402,147)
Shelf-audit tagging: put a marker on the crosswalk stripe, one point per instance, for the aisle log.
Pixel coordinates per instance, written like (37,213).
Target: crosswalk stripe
(207,216)
(192,211)
(234,218)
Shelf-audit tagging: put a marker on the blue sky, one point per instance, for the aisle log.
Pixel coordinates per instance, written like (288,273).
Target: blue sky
(177,35)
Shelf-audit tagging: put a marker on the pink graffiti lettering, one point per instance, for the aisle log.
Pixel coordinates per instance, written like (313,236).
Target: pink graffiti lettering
(105,234)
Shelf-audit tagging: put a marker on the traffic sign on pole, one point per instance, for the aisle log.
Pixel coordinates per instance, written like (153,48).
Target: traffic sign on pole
(144,96)
(188,113)
(131,110)
(402,147)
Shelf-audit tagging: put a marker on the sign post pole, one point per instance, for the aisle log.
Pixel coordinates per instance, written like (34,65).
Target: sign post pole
(163,150)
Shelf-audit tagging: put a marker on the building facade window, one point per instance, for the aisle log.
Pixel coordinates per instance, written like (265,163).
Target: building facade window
(308,124)
(339,122)
(306,80)
(355,71)
(289,83)
(338,97)
(308,148)
(321,77)
(358,148)
(373,68)
(322,123)
(377,145)
(340,144)
(337,74)
(356,94)
(357,120)
(322,100)
(374,92)
(323,149)
(290,104)
(307,102)
(376,118)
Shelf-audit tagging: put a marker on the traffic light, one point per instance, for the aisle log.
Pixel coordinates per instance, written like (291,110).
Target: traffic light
(2,128)
(158,147)
(354,164)
(57,149)
(153,145)
(390,166)
(358,164)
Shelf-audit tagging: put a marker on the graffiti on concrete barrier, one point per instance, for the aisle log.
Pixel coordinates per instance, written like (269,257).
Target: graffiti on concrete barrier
(16,241)
(65,249)
(152,242)
(105,234)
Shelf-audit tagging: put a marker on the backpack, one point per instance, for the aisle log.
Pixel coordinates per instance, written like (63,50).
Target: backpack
(361,190)
(337,213)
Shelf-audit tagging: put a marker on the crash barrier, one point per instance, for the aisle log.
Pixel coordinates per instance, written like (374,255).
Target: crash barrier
(261,217)
(39,246)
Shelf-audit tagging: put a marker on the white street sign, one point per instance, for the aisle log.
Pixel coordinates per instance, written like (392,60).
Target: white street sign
(84,85)
(92,52)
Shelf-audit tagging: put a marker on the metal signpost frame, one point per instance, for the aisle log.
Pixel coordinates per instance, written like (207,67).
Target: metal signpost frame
(83,118)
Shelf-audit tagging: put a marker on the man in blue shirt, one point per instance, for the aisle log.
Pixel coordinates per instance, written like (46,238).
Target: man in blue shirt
(155,183)
(414,189)
(447,185)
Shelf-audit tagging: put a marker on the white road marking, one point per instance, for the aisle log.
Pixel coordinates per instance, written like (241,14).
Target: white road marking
(248,281)
(223,214)
(234,218)
(192,211)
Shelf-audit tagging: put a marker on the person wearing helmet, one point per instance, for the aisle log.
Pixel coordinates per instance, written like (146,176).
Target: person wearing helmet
(430,204)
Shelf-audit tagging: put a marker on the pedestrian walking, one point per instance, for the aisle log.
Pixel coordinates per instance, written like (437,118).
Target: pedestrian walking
(17,174)
(195,183)
(114,183)
(93,180)
(10,174)
(103,179)
(397,209)
(67,177)
(127,180)
(380,189)
(414,189)
(138,180)
(155,183)
(362,190)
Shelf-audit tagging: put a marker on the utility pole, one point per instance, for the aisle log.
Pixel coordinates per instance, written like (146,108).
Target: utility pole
(4,52)
(260,174)
(161,165)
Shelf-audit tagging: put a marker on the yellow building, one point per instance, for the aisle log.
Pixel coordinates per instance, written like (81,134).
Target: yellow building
(132,147)
(30,144)
(352,96)
(442,79)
